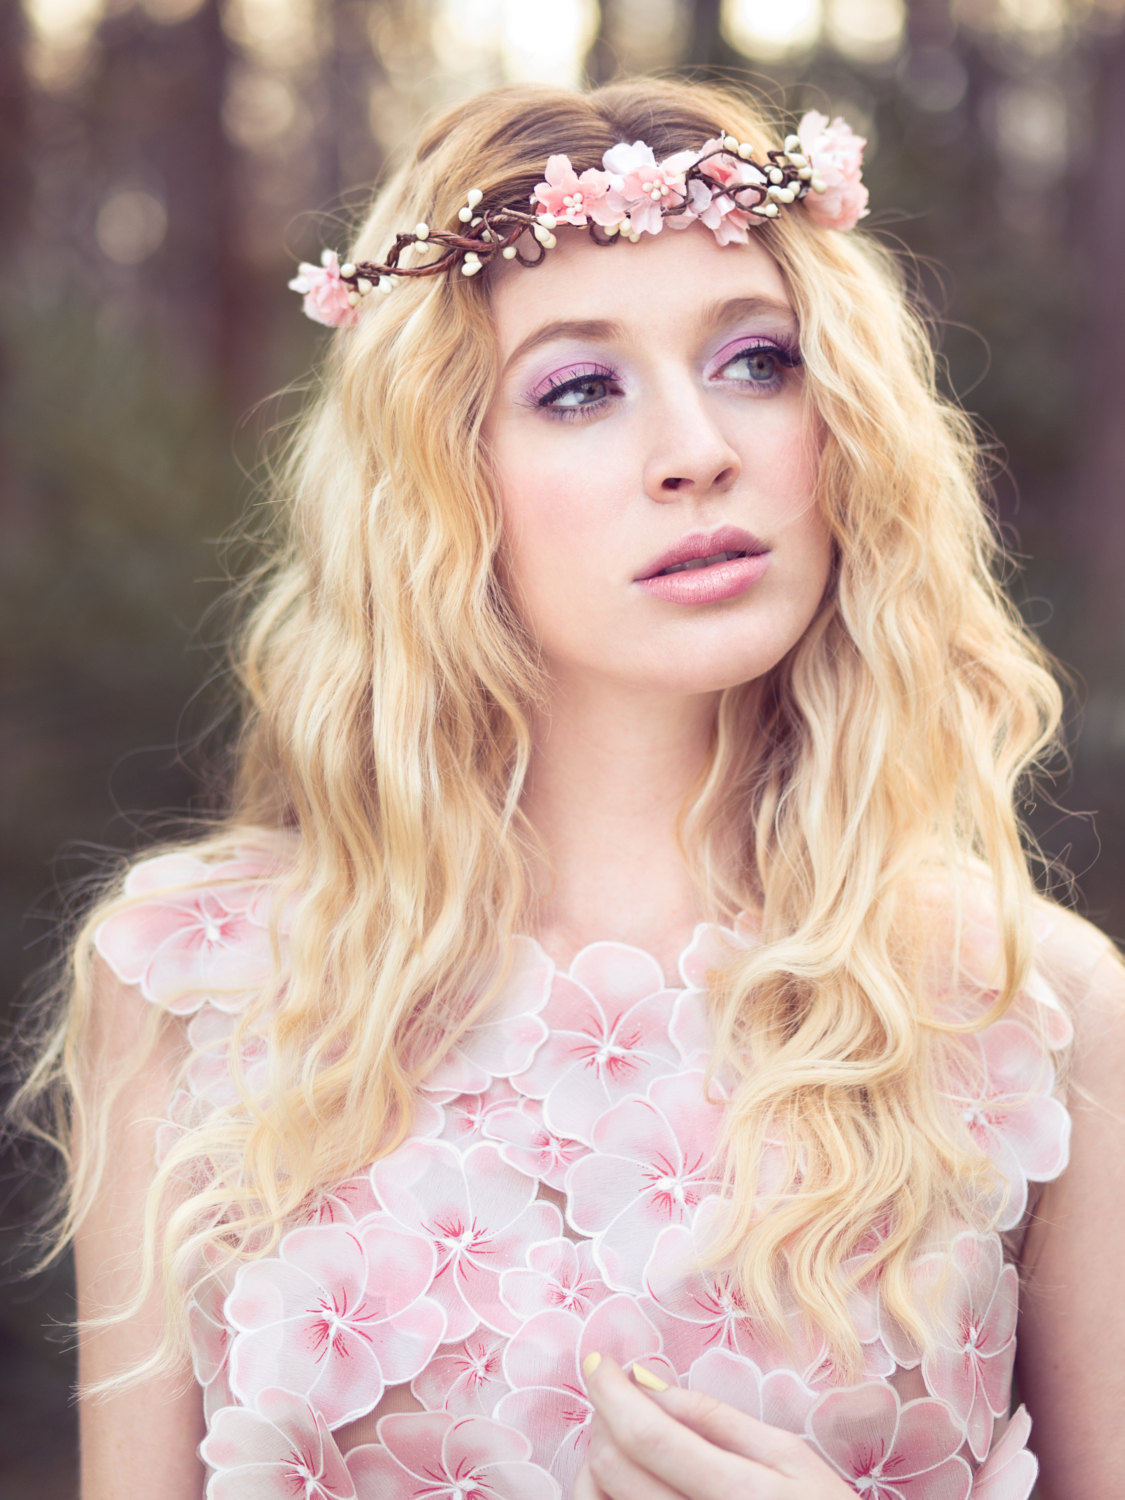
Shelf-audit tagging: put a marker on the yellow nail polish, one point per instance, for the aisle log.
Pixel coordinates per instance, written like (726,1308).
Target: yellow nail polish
(591,1363)
(646,1378)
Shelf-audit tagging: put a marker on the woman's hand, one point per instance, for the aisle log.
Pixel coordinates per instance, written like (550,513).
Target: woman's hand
(683,1445)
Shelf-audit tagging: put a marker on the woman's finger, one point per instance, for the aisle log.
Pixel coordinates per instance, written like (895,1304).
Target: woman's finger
(616,1474)
(657,1442)
(586,1487)
(736,1431)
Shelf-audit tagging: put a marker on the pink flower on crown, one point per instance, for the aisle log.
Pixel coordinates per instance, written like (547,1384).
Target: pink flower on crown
(835,153)
(478,1214)
(192,932)
(716,212)
(725,215)
(653,1162)
(543,1366)
(466,1378)
(969,1365)
(325,293)
(888,1451)
(645,189)
(1009,1472)
(574,198)
(280,1450)
(425,1455)
(339,1314)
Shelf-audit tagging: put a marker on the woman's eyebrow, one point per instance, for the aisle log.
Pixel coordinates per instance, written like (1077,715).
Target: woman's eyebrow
(604,330)
(748,307)
(565,328)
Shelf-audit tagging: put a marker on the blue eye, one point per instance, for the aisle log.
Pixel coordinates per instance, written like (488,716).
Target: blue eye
(577,392)
(762,366)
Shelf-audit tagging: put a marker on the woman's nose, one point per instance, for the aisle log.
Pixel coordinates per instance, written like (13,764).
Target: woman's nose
(690,454)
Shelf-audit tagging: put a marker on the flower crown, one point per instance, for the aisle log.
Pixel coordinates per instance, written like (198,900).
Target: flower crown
(720,186)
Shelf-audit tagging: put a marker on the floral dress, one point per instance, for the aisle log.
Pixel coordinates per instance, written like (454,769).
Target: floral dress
(555,1198)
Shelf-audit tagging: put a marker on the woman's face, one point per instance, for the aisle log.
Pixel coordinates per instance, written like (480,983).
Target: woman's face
(650,413)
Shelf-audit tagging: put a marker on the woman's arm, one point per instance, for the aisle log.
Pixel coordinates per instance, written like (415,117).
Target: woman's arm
(142,1441)
(1072,1318)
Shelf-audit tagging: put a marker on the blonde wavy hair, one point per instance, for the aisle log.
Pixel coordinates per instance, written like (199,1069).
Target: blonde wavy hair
(388,682)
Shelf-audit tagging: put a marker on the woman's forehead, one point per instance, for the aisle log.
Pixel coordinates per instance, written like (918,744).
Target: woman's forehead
(676,275)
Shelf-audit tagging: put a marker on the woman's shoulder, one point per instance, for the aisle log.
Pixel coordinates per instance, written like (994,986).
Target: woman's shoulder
(1082,965)
(200,923)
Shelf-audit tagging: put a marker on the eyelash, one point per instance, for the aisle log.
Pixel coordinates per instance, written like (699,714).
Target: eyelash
(785,351)
(572,380)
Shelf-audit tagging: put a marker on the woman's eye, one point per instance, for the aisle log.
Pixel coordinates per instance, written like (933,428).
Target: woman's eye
(577,393)
(580,392)
(760,365)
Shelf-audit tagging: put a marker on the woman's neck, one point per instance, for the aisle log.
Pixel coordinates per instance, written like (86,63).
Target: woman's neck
(610,774)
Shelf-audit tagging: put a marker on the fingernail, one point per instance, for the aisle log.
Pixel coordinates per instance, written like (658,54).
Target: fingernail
(591,1363)
(646,1378)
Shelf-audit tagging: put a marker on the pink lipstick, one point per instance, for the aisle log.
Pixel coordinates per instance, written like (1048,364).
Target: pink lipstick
(706,567)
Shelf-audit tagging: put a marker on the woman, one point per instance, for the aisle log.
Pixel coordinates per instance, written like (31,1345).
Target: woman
(610,1047)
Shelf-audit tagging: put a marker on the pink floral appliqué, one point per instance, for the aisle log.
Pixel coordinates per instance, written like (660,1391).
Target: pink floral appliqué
(543,1366)
(560,1273)
(836,154)
(506,1038)
(192,932)
(480,1216)
(653,1163)
(466,1378)
(209,1337)
(607,1022)
(778,1397)
(209,1072)
(1003,1093)
(888,1451)
(349,1202)
(699,1308)
(527,1144)
(437,1456)
(467,1115)
(969,1366)
(281,1450)
(1010,1471)
(337,1315)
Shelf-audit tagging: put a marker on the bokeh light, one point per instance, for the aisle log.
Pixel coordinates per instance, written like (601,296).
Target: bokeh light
(871,31)
(130,226)
(770,29)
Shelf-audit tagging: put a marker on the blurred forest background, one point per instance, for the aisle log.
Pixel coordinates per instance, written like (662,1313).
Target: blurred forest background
(164,163)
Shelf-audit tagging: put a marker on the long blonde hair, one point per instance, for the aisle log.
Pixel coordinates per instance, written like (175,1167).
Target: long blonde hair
(388,682)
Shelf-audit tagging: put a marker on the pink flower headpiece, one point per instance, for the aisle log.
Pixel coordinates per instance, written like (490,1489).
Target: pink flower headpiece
(720,186)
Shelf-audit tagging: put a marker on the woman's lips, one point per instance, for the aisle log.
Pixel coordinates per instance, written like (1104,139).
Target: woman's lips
(707,585)
(704,567)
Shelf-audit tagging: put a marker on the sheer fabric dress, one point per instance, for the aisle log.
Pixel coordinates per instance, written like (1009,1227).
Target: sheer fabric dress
(420,1331)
